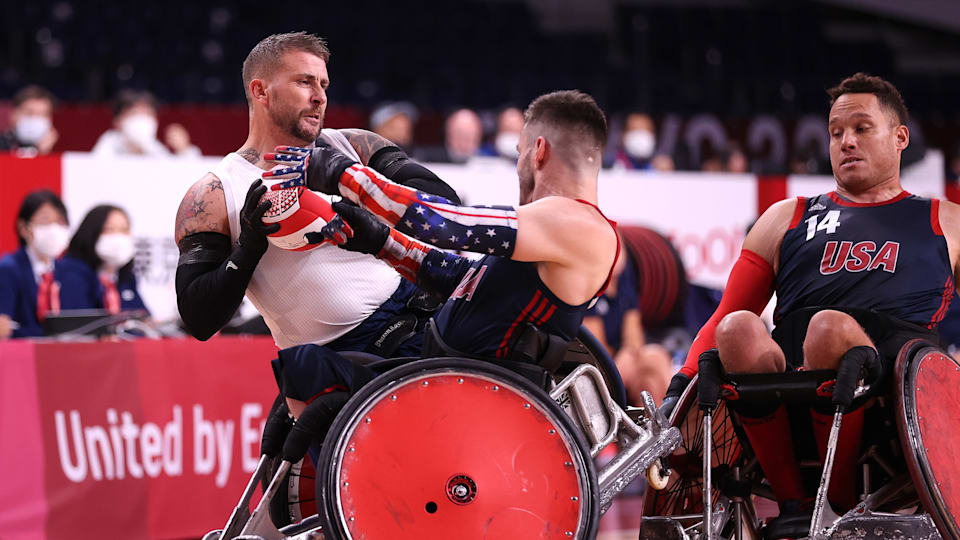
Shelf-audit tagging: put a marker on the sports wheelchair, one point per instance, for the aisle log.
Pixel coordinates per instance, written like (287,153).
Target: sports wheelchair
(456,447)
(908,474)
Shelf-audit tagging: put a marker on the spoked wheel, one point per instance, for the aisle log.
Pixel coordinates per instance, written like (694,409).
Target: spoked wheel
(682,498)
(296,498)
(455,448)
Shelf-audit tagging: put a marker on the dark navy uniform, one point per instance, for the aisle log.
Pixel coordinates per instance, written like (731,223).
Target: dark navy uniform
(496,298)
(885,263)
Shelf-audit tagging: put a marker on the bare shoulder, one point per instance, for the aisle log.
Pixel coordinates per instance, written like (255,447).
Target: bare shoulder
(203,209)
(366,143)
(950,217)
(950,225)
(767,233)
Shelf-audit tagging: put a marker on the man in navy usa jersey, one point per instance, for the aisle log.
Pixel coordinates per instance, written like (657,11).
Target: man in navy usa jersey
(857,272)
(545,260)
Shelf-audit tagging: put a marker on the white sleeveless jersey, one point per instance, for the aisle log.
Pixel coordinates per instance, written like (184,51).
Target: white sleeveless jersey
(311,296)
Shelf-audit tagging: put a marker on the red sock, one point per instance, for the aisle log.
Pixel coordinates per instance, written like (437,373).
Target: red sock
(843,480)
(771,441)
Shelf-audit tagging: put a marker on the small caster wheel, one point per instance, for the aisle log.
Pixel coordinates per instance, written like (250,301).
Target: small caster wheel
(656,476)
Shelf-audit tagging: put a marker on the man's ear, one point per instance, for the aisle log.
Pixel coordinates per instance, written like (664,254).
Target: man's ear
(258,90)
(903,137)
(541,151)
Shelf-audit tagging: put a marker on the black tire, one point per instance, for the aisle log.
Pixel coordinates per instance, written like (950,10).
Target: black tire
(378,389)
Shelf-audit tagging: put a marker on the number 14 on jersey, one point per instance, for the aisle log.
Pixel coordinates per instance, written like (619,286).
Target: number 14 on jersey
(829,223)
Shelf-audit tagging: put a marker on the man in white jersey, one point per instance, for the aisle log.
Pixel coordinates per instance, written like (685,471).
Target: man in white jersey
(325,296)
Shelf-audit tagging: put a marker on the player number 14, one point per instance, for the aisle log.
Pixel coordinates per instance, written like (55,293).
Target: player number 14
(830,223)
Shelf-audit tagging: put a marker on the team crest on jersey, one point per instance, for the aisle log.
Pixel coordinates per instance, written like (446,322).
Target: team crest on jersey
(860,256)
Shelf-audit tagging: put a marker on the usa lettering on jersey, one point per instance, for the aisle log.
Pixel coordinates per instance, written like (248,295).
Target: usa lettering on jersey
(860,256)
(468,284)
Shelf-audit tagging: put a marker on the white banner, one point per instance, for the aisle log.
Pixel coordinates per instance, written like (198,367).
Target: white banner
(704,214)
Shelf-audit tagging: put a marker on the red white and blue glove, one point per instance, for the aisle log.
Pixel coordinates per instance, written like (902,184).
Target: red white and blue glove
(319,169)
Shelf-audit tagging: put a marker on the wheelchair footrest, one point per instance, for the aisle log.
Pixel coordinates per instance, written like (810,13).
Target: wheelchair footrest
(886,527)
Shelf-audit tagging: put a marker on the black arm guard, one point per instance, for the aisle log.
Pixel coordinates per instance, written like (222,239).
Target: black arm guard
(211,281)
(394,163)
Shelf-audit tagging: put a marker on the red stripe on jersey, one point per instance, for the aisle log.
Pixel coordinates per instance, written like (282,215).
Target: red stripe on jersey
(935,217)
(547,315)
(938,316)
(798,212)
(843,202)
(613,225)
(523,315)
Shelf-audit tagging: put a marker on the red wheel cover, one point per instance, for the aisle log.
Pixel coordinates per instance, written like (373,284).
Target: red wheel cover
(438,435)
(938,419)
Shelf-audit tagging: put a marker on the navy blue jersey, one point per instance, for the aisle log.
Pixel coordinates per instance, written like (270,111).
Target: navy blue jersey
(889,257)
(496,298)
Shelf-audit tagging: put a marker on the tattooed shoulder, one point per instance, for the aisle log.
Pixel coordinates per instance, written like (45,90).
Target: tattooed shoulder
(203,209)
(366,143)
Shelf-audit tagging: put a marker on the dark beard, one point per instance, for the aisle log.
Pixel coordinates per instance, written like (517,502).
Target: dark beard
(292,124)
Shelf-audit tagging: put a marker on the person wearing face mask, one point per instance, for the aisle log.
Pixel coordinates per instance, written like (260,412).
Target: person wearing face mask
(509,125)
(30,278)
(134,130)
(639,142)
(31,132)
(98,265)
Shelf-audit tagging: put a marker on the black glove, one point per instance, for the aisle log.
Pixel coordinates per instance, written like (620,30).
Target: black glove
(324,166)
(253,231)
(678,384)
(858,362)
(369,234)
(313,424)
(276,429)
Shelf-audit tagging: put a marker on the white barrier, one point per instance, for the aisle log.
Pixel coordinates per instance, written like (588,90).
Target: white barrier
(705,215)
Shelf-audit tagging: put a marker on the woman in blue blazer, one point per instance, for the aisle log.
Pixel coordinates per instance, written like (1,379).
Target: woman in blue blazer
(30,278)
(98,265)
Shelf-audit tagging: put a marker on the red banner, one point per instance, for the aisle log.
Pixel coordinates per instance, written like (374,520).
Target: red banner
(19,176)
(146,439)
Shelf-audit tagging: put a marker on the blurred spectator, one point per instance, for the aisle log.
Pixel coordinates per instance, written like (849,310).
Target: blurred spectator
(98,265)
(463,133)
(395,122)
(616,322)
(31,129)
(638,143)
(509,125)
(134,127)
(30,277)
(662,162)
(178,140)
(736,160)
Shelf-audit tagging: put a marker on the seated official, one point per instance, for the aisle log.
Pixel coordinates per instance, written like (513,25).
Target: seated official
(615,320)
(30,277)
(98,265)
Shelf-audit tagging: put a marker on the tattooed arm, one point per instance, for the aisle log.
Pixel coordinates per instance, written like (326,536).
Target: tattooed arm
(203,209)
(212,273)
(366,143)
(381,155)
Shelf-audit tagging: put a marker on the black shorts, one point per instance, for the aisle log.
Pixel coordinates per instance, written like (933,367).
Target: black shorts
(887,333)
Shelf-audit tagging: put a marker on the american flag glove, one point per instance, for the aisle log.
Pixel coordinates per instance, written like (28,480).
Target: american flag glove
(317,168)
